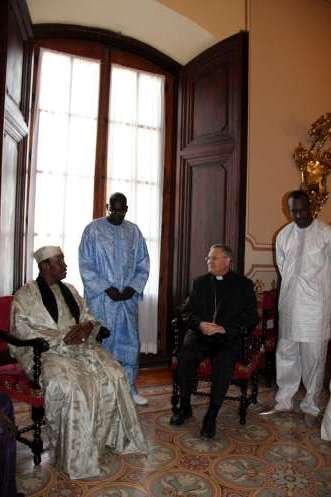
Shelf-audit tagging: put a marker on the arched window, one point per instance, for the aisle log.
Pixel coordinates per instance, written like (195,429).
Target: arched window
(99,126)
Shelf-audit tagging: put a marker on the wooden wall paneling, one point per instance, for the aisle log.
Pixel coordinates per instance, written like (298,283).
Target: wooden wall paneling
(211,159)
(136,62)
(7,219)
(31,164)
(15,81)
(80,48)
(167,233)
(206,201)
(5,272)
(23,176)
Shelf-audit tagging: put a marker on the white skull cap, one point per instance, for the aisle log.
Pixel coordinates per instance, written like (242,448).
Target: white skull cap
(46,252)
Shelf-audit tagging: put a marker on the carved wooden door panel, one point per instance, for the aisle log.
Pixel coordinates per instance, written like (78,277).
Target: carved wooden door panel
(211,159)
(15,82)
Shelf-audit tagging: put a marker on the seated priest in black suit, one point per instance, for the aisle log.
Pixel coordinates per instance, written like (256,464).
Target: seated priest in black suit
(222,304)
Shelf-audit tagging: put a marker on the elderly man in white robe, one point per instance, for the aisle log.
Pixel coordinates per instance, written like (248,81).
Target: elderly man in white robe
(303,253)
(88,405)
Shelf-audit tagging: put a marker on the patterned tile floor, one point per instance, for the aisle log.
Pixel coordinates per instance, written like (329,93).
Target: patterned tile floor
(275,456)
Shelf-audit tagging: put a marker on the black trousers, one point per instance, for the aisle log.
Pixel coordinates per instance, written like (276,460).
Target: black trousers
(223,355)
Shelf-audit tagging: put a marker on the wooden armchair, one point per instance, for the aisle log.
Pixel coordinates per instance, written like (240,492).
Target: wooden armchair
(15,383)
(270,333)
(245,373)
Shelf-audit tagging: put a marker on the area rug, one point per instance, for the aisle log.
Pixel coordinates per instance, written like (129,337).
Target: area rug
(274,456)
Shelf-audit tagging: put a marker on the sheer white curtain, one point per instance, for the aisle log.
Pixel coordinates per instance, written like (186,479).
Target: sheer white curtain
(64,153)
(135,168)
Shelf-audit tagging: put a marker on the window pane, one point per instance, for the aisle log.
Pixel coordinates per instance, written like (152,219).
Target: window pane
(55,81)
(78,203)
(49,204)
(147,209)
(85,81)
(135,168)
(123,97)
(150,100)
(122,151)
(52,142)
(81,146)
(148,154)
(65,153)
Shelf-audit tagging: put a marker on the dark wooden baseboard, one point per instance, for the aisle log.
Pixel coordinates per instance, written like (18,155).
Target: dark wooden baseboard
(153,360)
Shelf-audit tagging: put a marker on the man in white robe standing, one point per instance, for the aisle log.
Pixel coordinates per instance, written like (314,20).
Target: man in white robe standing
(114,266)
(303,253)
(88,405)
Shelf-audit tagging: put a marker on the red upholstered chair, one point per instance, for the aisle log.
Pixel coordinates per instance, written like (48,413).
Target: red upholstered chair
(270,333)
(245,374)
(15,383)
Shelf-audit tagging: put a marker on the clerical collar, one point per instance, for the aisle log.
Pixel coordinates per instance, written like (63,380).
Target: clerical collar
(219,277)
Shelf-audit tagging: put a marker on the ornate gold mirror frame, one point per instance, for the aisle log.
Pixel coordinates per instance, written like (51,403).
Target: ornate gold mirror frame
(314,163)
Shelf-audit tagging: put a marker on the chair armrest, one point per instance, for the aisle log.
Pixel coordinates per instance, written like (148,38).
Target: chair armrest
(37,343)
(39,346)
(103,333)
(245,332)
(179,326)
(249,344)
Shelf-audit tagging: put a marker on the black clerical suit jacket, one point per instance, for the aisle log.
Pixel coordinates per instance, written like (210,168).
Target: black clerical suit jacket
(233,299)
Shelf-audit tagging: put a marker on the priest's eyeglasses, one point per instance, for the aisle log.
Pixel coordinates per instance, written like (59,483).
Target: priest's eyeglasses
(209,258)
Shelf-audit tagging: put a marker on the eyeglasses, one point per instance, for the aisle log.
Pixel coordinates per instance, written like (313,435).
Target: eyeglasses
(215,258)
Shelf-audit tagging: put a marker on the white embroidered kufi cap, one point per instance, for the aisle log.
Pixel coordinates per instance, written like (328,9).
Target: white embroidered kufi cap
(46,252)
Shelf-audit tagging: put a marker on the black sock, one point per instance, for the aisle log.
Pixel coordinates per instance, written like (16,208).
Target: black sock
(185,403)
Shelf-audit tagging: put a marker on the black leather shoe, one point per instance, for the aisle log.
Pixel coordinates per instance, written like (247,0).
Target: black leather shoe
(208,429)
(180,417)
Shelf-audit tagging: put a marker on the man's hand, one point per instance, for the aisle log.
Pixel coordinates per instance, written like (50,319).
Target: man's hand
(114,293)
(210,329)
(78,333)
(117,296)
(127,293)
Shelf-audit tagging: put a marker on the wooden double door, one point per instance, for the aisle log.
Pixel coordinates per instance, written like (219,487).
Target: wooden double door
(211,159)
(15,84)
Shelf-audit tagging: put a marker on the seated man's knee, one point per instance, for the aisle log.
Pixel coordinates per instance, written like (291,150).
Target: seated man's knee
(60,387)
(187,351)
